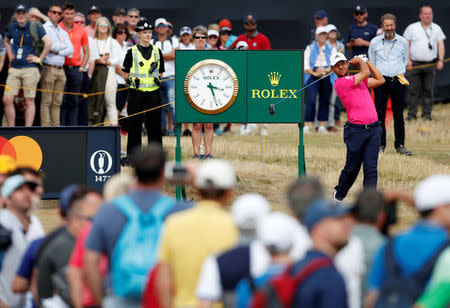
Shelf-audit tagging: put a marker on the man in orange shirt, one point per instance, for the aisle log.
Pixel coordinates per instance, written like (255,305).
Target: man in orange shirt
(73,66)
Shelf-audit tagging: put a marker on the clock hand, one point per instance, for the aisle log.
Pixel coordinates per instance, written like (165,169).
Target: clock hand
(211,87)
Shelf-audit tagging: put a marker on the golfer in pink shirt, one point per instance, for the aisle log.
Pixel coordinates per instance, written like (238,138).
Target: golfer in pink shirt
(362,132)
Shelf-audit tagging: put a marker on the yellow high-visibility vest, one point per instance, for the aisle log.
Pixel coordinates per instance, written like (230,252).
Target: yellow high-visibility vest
(146,79)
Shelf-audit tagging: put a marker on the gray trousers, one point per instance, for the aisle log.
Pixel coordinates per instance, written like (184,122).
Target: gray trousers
(420,90)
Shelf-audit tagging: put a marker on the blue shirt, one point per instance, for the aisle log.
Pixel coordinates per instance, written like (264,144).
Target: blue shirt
(367,33)
(29,259)
(389,56)
(110,221)
(324,288)
(60,43)
(15,34)
(411,249)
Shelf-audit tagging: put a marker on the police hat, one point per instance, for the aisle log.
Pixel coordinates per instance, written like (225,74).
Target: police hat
(143,25)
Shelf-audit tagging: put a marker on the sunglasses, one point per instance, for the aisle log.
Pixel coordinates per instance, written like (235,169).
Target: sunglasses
(56,12)
(200,37)
(359,13)
(103,25)
(250,23)
(212,36)
(31,185)
(161,26)
(121,32)
(225,32)
(133,16)
(79,22)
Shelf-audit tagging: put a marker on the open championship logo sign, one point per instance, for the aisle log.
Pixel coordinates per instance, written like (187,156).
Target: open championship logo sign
(101,162)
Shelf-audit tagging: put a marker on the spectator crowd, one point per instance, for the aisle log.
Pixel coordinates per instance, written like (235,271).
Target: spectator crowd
(66,55)
(134,246)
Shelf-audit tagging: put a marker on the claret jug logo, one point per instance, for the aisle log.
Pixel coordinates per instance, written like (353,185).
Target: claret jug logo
(23,151)
(274,79)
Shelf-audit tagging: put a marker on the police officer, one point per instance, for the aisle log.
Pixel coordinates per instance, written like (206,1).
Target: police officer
(142,69)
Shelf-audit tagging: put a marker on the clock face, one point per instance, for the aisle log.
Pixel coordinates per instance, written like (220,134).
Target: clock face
(211,86)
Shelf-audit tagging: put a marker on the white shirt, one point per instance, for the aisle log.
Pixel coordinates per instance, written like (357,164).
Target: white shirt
(97,48)
(321,60)
(209,286)
(186,47)
(14,254)
(166,47)
(419,37)
(349,262)
(122,53)
(60,43)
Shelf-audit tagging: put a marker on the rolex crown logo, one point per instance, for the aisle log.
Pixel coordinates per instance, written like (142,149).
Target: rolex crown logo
(211,70)
(274,78)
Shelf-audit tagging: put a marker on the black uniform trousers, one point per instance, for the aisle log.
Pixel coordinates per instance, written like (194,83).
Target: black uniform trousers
(139,101)
(396,90)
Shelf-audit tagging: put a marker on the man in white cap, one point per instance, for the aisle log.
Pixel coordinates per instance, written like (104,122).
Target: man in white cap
(221,273)
(276,233)
(402,267)
(190,237)
(362,133)
(25,227)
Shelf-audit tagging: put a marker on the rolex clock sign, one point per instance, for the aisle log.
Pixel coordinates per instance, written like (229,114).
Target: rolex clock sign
(210,86)
(238,86)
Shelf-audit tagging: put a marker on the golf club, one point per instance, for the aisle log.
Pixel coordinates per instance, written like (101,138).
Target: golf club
(272,106)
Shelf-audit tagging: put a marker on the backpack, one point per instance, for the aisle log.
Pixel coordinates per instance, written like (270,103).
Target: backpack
(37,42)
(135,252)
(280,291)
(399,291)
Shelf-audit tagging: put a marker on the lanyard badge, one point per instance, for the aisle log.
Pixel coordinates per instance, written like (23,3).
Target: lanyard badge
(20,50)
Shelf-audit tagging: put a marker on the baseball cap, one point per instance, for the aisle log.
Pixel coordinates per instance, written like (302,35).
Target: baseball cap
(432,192)
(321,29)
(250,17)
(143,25)
(275,231)
(241,45)
(321,209)
(213,32)
(11,184)
(21,8)
(360,8)
(119,11)
(161,21)
(248,209)
(64,197)
(93,8)
(320,14)
(215,173)
(225,23)
(185,30)
(331,27)
(338,56)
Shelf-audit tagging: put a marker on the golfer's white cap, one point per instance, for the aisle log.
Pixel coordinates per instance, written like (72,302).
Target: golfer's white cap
(276,230)
(215,173)
(432,192)
(321,29)
(248,209)
(335,58)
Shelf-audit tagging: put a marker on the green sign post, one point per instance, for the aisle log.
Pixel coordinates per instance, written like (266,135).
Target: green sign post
(239,87)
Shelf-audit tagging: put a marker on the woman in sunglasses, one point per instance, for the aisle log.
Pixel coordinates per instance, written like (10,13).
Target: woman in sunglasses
(105,55)
(121,35)
(200,35)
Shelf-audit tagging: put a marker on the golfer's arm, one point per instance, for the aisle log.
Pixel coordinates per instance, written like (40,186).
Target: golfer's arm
(377,78)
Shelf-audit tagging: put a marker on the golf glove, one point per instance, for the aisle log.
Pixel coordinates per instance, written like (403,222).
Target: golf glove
(364,57)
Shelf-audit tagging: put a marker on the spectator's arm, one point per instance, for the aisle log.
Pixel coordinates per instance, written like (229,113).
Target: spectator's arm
(441,55)
(75,280)
(85,56)
(266,44)
(67,51)
(2,61)
(372,54)
(34,285)
(164,282)
(47,45)
(92,274)
(9,49)
(169,56)
(3,305)
(371,299)
(405,53)
(20,284)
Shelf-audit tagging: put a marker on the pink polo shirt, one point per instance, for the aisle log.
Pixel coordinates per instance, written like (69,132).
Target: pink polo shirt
(357,100)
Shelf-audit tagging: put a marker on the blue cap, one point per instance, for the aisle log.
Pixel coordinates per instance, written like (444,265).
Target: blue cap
(250,17)
(321,209)
(320,14)
(11,184)
(64,197)
(360,8)
(21,8)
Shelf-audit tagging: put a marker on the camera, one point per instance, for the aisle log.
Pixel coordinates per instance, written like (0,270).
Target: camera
(176,173)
